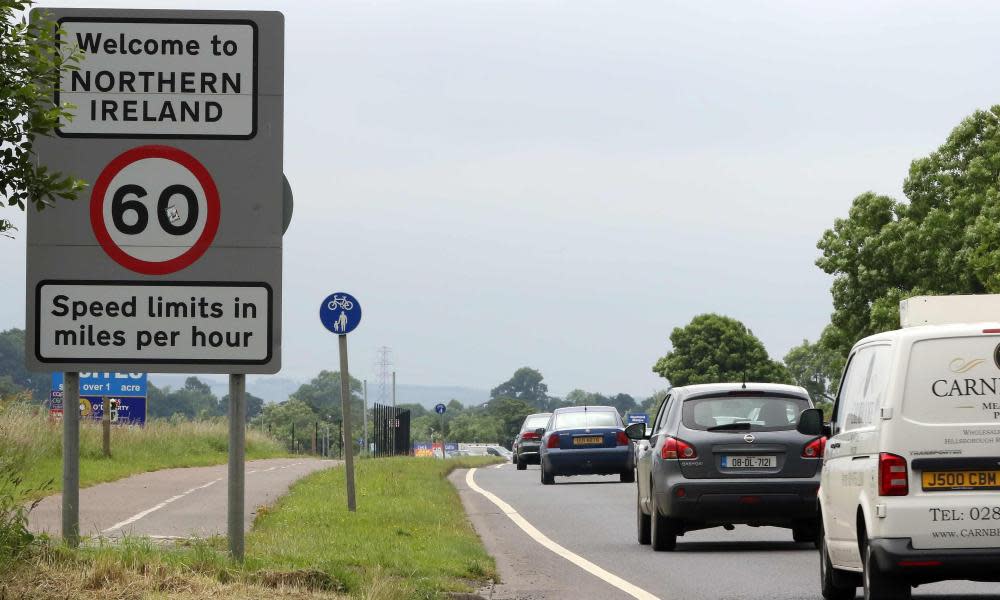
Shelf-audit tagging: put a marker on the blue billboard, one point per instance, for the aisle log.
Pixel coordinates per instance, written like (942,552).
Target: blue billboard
(126,393)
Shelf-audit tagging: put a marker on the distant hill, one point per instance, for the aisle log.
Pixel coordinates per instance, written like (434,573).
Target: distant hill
(277,389)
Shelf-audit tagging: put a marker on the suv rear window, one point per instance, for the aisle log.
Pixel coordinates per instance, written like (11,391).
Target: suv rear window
(589,418)
(954,381)
(743,413)
(533,423)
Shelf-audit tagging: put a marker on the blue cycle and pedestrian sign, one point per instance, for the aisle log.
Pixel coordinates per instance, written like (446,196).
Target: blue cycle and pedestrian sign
(440,408)
(340,313)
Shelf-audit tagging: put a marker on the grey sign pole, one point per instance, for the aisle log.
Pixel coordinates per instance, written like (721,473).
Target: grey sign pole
(345,406)
(71,460)
(237,469)
(364,416)
(392,428)
(106,425)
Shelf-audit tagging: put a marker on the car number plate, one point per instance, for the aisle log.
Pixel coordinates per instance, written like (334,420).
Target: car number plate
(960,480)
(749,462)
(589,440)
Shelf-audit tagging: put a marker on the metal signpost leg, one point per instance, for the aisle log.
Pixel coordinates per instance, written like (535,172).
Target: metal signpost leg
(71,460)
(364,419)
(345,405)
(443,453)
(392,429)
(106,425)
(237,437)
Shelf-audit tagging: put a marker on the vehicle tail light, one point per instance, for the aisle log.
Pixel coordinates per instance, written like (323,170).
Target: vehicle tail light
(815,448)
(623,439)
(893,478)
(679,449)
(529,435)
(553,441)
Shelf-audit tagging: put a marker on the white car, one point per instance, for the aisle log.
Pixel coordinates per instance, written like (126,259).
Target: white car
(910,489)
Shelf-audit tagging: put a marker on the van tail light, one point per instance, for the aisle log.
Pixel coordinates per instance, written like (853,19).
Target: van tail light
(553,441)
(679,449)
(623,439)
(893,477)
(529,435)
(815,448)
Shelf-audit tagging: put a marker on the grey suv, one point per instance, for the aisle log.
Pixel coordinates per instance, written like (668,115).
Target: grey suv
(725,454)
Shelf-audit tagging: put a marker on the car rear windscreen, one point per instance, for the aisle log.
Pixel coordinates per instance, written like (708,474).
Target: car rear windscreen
(532,423)
(586,419)
(743,413)
(954,380)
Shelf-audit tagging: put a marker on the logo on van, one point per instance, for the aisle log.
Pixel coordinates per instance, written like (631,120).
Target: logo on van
(960,365)
(996,356)
(749,438)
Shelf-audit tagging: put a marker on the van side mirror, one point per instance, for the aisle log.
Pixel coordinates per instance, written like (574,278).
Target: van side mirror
(636,431)
(811,422)
(540,431)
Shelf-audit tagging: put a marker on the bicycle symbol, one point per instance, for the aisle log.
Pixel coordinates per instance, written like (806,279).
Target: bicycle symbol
(340,302)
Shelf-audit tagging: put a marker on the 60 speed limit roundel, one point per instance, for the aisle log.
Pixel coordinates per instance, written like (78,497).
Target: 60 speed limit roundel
(155,209)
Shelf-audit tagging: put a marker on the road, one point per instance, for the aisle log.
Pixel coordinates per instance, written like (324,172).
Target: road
(174,503)
(594,518)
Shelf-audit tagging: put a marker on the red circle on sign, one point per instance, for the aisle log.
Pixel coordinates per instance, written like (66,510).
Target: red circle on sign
(213,209)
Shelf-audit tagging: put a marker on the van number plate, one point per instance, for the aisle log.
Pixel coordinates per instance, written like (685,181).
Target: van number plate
(960,480)
(749,462)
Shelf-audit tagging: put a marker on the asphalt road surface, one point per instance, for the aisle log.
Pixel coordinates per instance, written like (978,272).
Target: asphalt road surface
(593,519)
(174,503)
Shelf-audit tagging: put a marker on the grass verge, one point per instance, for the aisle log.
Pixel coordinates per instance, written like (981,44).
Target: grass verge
(31,444)
(409,539)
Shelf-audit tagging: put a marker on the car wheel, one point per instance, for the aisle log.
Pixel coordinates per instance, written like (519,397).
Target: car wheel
(805,532)
(642,521)
(547,479)
(879,585)
(521,465)
(627,476)
(829,584)
(663,531)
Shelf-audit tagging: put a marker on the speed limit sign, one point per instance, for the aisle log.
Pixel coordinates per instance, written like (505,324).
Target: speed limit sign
(155,209)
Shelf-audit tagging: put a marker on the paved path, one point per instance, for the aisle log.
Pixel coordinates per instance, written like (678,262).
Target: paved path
(594,519)
(174,502)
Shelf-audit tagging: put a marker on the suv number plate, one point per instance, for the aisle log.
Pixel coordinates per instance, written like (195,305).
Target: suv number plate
(749,462)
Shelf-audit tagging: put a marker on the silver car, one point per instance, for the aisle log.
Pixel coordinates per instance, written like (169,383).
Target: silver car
(725,454)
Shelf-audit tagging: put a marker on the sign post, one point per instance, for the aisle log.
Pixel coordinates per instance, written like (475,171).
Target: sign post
(440,409)
(106,425)
(177,124)
(341,313)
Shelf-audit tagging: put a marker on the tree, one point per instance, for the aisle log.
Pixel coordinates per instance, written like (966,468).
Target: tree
(194,400)
(713,348)
(817,368)
(652,404)
(12,364)
(322,394)
(292,414)
(526,384)
(31,57)
(945,240)
(511,413)
(255,405)
(468,427)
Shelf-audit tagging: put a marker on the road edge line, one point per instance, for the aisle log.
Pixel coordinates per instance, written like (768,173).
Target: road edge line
(544,540)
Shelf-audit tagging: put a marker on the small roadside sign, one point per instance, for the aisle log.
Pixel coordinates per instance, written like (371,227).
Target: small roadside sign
(340,313)
(126,393)
(638,418)
(440,409)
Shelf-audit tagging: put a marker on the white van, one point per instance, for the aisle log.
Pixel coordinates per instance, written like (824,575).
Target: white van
(910,489)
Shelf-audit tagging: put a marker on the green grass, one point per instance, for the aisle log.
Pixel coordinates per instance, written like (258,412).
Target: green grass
(31,444)
(409,534)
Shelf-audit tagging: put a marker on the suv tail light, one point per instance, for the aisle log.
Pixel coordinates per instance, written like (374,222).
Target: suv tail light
(623,439)
(679,449)
(815,448)
(893,478)
(529,435)
(553,441)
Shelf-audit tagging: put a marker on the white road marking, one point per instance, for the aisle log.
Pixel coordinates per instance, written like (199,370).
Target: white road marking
(500,465)
(541,538)
(148,511)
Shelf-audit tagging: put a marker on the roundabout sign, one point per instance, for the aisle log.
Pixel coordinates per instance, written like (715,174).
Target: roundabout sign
(155,209)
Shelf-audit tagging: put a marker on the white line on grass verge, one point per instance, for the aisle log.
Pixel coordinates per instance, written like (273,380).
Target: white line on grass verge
(541,538)
(142,514)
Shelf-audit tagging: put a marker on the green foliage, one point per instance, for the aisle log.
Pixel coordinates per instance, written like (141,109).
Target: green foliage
(472,427)
(817,368)
(12,365)
(526,384)
(293,414)
(713,349)
(15,538)
(322,395)
(623,402)
(510,412)
(30,61)
(194,400)
(945,240)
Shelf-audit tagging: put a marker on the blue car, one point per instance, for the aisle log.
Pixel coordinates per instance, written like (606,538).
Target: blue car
(586,440)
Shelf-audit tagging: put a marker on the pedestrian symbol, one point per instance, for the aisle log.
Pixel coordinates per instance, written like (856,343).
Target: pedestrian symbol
(340,313)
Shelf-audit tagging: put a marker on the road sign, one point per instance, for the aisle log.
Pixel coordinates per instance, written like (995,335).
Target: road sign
(106,384)
(174,261)
(638,418)
(440,408)
(127,393)
(340,313)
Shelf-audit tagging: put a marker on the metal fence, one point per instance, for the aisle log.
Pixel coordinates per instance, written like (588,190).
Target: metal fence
(391,430)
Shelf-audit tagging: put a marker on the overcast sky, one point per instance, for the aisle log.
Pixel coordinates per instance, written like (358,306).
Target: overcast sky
(559,184)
